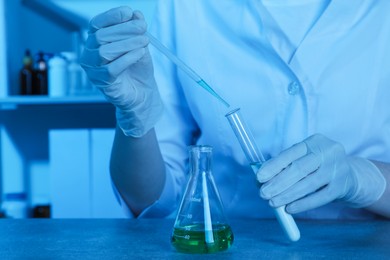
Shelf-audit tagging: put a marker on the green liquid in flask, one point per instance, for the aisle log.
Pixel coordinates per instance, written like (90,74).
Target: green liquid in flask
(192,239)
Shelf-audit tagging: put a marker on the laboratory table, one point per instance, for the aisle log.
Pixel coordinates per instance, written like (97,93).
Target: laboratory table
(150,239)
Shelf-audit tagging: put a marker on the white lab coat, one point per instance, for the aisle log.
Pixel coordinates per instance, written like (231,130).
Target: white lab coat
(337,82)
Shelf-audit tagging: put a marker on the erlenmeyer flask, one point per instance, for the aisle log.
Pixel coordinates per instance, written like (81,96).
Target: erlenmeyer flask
(201,225)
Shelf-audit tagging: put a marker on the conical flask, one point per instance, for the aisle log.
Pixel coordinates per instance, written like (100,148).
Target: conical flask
(201,225)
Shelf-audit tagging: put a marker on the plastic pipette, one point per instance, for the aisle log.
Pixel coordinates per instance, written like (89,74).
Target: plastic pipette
(192,74)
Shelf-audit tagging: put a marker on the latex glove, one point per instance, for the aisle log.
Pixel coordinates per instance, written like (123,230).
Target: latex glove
(117,61)
(317,171)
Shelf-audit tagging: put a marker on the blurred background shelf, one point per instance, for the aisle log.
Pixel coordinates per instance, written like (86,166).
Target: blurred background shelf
(55,150)
(13,102)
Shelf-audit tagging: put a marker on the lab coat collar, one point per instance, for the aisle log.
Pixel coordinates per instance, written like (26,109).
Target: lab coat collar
(338,17)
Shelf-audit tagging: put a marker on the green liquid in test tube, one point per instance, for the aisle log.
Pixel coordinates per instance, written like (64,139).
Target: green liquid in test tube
(179,63)
(256,159)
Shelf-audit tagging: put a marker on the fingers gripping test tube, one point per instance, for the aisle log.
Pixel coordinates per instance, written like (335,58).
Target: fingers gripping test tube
(256,159)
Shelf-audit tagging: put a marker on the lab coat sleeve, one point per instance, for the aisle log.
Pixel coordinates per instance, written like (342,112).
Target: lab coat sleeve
(164,207)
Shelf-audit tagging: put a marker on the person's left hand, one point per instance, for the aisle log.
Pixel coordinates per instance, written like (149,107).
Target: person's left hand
(317,171)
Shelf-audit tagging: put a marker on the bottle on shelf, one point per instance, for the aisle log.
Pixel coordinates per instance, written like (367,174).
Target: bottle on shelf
(40,81)
(42,211)
(26,74)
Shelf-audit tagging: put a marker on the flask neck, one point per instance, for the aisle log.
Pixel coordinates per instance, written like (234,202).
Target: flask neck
(200,158)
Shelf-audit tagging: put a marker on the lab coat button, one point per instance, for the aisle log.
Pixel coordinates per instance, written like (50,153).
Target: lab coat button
(293,88)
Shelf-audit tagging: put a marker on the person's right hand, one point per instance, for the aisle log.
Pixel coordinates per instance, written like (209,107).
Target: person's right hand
(117,61)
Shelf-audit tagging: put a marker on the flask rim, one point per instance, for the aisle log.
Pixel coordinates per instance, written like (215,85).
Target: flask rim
(200,147)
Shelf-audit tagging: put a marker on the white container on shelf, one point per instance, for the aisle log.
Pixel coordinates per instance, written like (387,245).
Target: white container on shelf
(75,86)
(58,76)
(3,53)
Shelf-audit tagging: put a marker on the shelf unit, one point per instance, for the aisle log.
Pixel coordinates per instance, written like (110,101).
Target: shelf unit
(13,102)
(59,148)
(42,136)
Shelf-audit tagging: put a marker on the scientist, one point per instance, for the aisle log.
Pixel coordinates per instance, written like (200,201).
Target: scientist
(312,79)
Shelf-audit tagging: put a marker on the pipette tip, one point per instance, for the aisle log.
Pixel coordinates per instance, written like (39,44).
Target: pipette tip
(204,85)
(192,74)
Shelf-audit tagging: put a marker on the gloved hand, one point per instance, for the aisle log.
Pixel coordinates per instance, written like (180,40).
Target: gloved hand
(117,61)
(317,171)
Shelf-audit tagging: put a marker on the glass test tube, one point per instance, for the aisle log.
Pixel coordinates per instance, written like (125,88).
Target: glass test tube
(256,159)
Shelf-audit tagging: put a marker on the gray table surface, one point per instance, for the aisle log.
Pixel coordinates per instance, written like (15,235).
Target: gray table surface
(150,239)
